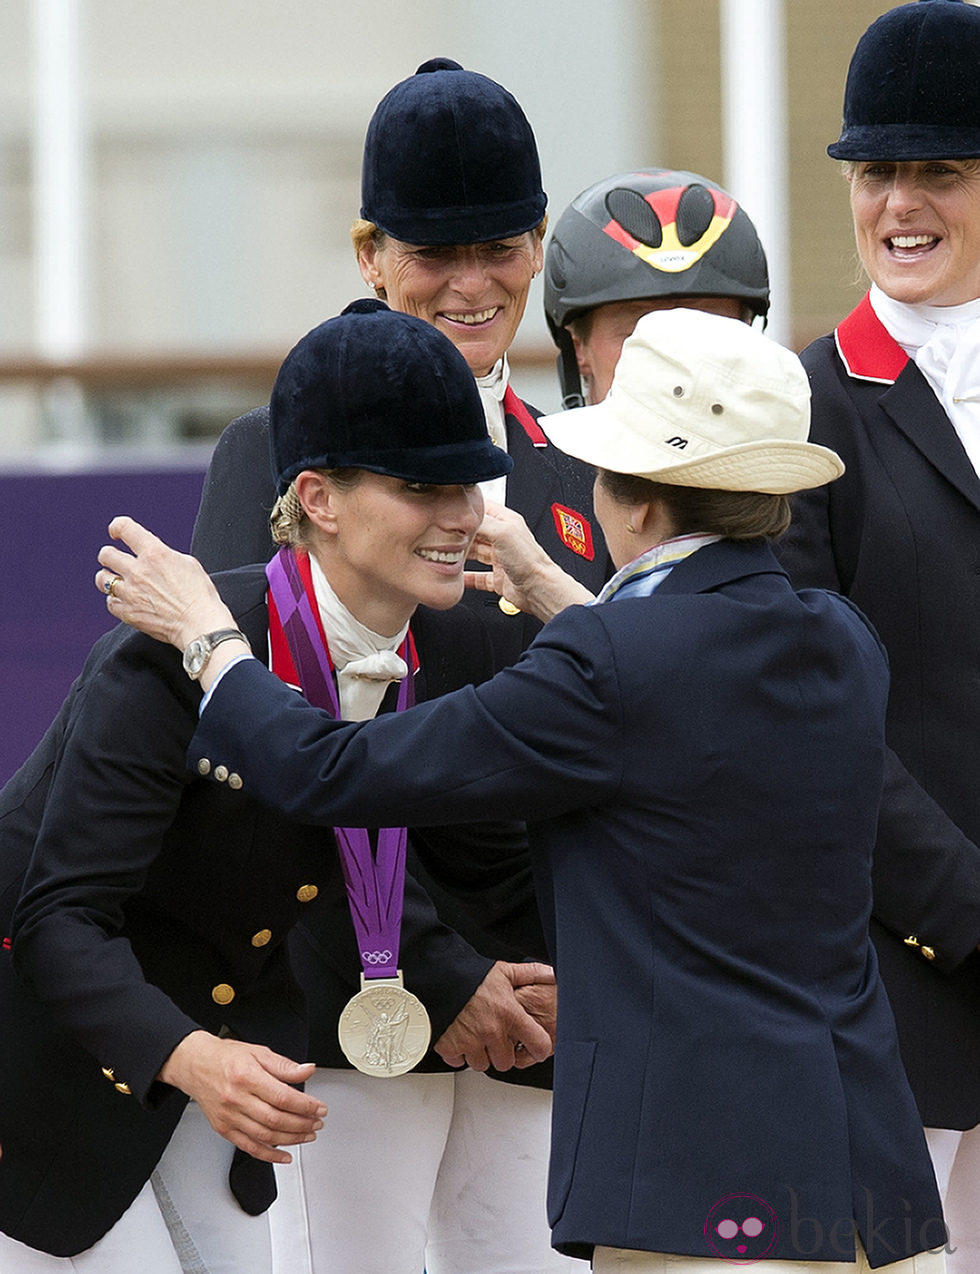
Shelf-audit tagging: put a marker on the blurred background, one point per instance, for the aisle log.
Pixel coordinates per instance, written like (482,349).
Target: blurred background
(177,182)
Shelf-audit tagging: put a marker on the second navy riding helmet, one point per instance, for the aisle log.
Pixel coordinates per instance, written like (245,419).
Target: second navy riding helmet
(913,86)
(654,232)
(450,157)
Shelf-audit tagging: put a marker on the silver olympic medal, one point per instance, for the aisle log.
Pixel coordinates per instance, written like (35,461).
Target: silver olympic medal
(384,1030)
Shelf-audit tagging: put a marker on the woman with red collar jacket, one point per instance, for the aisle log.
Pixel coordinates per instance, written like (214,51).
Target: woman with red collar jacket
(896,394)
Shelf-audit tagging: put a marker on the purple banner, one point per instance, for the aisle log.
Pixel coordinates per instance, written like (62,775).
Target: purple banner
(53,526)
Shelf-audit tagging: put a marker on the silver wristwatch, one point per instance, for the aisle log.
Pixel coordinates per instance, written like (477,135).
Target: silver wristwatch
(198,652)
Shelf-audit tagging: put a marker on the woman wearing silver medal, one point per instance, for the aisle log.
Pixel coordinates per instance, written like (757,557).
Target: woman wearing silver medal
(701,754)
(451,228)
(144,911)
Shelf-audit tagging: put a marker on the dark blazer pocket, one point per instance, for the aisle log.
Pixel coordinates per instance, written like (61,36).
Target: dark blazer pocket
(574,1064)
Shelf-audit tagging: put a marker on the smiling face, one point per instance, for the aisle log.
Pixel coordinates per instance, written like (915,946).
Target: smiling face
(473,293)
(387,545)
(917,226)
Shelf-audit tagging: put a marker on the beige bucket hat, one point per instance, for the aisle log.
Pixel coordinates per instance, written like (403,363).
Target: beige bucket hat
(701,401)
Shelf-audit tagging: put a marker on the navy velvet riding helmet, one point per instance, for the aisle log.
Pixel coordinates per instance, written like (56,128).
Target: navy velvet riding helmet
(377,389)
(450,157)
(913,86)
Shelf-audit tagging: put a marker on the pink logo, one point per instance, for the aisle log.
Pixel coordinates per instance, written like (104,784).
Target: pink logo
(741,1229)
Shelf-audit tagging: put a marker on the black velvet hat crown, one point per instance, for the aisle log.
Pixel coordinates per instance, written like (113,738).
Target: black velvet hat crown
(913,86)
(449,157)
(377,389)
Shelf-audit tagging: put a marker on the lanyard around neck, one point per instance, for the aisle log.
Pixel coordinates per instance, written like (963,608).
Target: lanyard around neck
(375,882)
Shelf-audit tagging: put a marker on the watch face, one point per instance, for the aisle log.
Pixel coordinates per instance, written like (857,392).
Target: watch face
(194,657)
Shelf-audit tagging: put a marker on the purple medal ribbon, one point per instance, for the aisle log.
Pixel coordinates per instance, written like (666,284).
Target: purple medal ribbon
(375,882)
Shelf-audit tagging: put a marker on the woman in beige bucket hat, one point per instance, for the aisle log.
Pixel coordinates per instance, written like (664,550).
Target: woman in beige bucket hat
(700,754)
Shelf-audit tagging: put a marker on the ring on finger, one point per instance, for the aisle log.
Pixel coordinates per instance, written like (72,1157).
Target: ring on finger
(110,585)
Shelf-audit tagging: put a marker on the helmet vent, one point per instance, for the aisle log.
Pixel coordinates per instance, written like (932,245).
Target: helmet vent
(635,215)
(695,210)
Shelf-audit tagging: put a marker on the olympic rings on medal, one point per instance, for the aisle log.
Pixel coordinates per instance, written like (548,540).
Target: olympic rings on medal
(376,957)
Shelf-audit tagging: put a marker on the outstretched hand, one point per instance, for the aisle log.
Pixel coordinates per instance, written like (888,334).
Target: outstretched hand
(520,570)
(494,1028)
(245,1092)
(156,589)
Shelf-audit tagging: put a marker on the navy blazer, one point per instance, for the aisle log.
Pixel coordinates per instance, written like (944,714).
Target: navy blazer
(153,905)
(702,768)
(899,534)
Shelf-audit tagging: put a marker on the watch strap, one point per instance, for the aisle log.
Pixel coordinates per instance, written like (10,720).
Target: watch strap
(209,642)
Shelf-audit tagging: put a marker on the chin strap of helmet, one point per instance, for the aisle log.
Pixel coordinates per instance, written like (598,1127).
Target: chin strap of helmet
(568,373)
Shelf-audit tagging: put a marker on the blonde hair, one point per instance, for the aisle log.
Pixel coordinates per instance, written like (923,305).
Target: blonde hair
(289,521)
(361,234)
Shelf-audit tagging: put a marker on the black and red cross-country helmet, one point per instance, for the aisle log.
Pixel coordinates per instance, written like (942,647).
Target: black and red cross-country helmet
(654,232)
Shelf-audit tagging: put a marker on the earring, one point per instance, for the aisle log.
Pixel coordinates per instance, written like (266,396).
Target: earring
(631,528)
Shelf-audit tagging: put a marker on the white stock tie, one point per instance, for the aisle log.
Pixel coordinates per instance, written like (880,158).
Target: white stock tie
(366,662)
(944,343)
(362,683)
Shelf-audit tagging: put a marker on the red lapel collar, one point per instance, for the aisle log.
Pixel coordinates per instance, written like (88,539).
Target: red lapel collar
(514,407)
(866,349)
(282,663)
